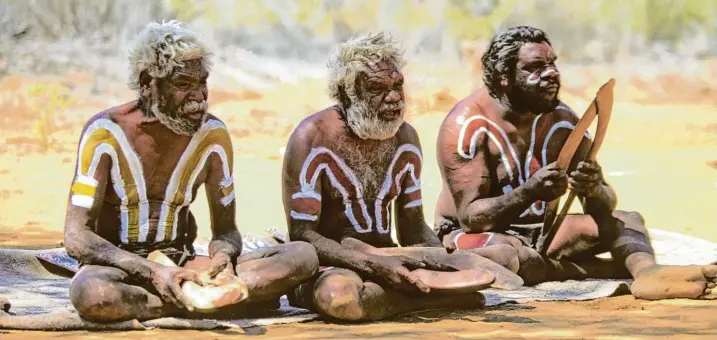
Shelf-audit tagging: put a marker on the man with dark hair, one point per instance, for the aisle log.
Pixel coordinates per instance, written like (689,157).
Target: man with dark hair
(497,150)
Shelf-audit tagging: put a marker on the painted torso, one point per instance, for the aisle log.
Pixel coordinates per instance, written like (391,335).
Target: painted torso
(152,180)
(348,205)
(512,153)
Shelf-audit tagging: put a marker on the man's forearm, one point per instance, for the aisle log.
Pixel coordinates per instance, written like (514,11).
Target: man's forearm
(89,248)
(482,214)
(331,253)
(229,243)
(605,201)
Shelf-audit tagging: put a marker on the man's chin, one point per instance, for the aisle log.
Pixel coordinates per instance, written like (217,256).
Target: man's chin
(391,116)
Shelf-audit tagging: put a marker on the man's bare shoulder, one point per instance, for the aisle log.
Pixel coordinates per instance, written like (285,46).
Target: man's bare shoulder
(479,103)
(470,115)
(316,128)
(117,114)
(215,118)
(564,113)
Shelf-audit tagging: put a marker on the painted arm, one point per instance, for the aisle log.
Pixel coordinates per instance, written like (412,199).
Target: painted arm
(411,227)
(303,209)
(82,243)
(226,243)
(469,181)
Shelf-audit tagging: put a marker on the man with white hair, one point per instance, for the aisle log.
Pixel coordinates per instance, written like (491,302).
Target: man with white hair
(344,168)
(139,166)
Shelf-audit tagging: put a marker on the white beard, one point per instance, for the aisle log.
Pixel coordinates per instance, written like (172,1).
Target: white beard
(366,124)
(179,124)
(369,163)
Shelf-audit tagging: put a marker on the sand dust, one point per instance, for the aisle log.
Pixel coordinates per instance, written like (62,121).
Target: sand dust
(610,318)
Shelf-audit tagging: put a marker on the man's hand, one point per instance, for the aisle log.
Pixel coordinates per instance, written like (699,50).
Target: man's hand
(168,280)
(221,262)
(396,271)
(587,179)
(548,183)
(220,271)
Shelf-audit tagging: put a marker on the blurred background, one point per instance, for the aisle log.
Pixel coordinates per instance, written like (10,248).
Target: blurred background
(63,61)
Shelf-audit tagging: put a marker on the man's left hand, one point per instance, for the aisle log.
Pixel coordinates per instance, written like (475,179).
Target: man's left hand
(586,180)
(221,262)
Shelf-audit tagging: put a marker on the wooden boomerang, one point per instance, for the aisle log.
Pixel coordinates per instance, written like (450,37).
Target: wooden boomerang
(471,273)
(602,108)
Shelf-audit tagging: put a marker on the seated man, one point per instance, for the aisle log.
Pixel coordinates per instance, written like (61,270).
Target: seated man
(344,168)
(490,197)
(139,166)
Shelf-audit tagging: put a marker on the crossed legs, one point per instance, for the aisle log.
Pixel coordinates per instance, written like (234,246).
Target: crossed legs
(106,294)
(571,255)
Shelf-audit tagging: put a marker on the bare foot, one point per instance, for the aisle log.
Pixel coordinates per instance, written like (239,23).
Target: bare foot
(674,282)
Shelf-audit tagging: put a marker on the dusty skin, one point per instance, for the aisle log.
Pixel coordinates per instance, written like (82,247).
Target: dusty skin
(657,134)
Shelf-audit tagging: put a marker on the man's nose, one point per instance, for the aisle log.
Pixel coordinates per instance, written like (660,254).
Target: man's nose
(550,73)
(392,97)
(197,94)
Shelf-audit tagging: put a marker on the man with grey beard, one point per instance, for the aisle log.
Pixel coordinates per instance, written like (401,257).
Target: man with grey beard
(345,169)
(139,166)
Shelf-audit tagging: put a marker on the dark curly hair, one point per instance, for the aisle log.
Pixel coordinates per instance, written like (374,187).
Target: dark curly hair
(501,56)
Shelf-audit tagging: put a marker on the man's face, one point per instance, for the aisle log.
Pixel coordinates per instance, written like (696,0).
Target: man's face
(536,83)
(376,112)
(181,98)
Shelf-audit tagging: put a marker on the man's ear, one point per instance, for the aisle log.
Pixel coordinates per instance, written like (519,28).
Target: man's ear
(144,79)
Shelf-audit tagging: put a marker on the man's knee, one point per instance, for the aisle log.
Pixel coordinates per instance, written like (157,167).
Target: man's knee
(532,267)
(631,218)
(337,295)
(509,254)
(304,257)
(93,295)
(504,254)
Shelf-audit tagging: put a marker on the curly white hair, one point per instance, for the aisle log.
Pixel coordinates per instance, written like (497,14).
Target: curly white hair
(354,55)
(160,47)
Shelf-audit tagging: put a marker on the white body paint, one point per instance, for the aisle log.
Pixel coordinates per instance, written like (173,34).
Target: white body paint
(387,182)
(179,169)
(137,174)
(308,189)
(521,175)
(135,167)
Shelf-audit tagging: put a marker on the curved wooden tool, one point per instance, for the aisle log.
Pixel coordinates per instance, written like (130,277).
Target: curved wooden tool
(601,107)
(470,272)
(224,290)
(459,282)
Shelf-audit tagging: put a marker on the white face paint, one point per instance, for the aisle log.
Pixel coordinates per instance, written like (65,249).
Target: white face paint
(535,77)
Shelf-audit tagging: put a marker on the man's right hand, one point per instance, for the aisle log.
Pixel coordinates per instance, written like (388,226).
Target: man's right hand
(548,183)
(396,271)
(168,280)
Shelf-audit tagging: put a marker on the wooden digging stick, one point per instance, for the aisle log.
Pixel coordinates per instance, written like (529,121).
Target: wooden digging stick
(605,97)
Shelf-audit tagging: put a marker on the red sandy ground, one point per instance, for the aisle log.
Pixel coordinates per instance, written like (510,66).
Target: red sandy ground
(659,155)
